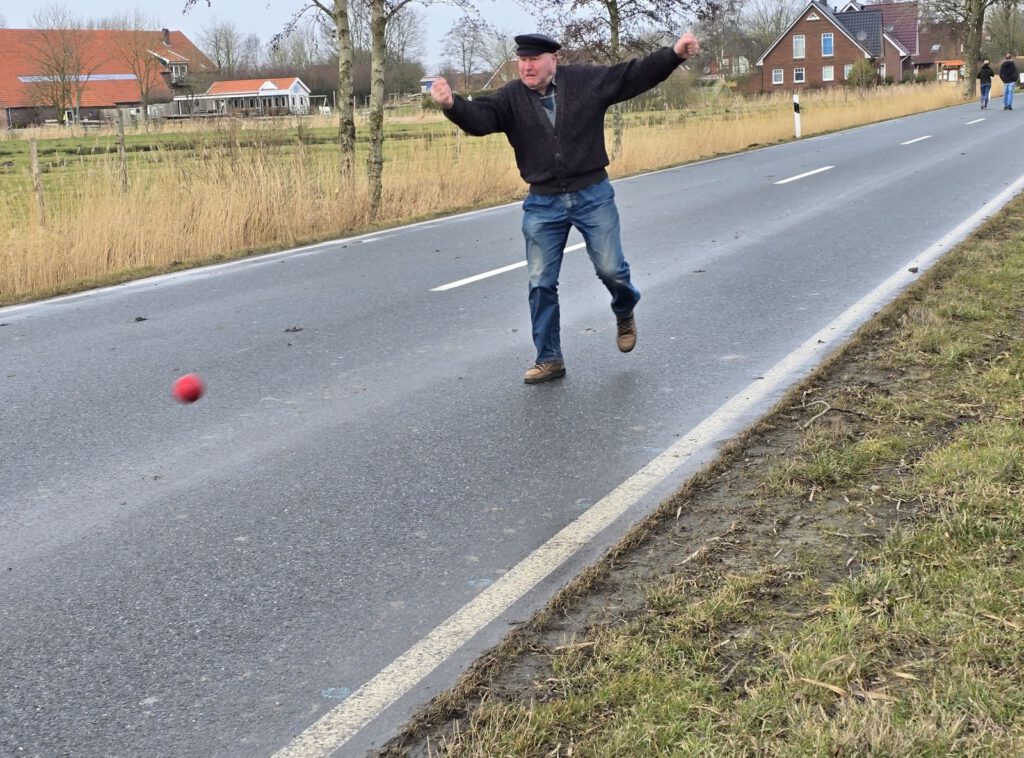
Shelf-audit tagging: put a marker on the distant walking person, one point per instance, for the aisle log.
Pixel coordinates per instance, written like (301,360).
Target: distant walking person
(1008,73)
(553,116)
(985,74)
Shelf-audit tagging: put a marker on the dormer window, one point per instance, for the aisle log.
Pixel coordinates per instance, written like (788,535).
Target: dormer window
(179,73)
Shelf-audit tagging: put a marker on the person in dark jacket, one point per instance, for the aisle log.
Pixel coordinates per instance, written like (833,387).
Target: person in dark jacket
(553,116)
(985,74)
(1008,73)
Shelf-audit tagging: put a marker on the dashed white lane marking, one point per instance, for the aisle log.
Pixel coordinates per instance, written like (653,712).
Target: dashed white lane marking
(804,175)
(493,272)
(919,139)
(976,121)
(341,723)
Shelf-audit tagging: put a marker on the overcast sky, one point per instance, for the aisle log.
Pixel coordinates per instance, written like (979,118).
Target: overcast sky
(262,17)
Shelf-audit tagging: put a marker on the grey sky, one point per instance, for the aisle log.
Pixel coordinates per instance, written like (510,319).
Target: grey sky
(261,17)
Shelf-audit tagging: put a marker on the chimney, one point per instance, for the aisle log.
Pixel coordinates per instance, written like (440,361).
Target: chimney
(167,36)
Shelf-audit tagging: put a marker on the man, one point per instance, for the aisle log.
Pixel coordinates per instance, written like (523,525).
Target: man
(1008,73)
(985,74)
(553,116)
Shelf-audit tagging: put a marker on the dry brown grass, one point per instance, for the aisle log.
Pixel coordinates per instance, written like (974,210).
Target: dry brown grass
(222,201)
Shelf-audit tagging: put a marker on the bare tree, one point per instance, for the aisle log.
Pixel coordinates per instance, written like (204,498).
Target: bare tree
(63,60)
(381,13)
(333,15)
(764,21)
(465,46)
(250,54)
(222,42)
(1004,28)
(718,25)
(133,49)
(3,21)
(969,16)
(304,46)
(499,49)
(406,36)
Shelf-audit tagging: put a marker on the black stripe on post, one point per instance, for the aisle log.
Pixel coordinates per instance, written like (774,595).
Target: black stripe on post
(796,107)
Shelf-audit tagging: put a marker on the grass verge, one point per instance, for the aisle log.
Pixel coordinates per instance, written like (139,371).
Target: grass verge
(847,579)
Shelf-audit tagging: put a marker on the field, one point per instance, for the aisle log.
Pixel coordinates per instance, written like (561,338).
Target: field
(206,192)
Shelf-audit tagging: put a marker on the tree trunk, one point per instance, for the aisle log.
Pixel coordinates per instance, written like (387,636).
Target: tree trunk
(375,159)
(613,30)
(975,24)
(346,112)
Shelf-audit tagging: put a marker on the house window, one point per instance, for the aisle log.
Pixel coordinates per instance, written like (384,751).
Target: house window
(826,45)
(827,74)
(777,76)
(847,69)
(798,76)
(799,45)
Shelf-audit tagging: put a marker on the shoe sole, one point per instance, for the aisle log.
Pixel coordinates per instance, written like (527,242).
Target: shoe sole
(545,377)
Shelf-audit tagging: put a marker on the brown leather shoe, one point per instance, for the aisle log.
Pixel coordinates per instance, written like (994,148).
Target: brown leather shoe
(627,333)
(544,372)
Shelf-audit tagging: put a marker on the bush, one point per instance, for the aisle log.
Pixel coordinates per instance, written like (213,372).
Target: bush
(863,74)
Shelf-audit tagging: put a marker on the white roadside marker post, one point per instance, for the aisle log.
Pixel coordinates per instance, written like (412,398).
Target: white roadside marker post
(796,114)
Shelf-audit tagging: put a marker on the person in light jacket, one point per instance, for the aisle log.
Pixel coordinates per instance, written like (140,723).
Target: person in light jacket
(985,74)
(1009,74)
(553,116)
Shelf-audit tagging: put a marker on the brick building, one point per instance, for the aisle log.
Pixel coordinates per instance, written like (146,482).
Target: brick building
(821,46)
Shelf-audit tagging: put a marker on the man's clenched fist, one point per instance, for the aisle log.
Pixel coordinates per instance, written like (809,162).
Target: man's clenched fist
(442,93)
(686,46)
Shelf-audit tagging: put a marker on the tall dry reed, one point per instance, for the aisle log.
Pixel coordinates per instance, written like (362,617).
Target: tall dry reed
(222,199)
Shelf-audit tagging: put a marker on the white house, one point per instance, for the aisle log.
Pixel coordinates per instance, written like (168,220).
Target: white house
(248,97)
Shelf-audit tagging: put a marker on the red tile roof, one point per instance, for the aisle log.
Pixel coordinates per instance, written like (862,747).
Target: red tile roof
(103,55)
(247,86)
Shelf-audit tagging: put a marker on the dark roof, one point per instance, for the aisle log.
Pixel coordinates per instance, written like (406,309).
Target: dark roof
(899,21)
(865,27)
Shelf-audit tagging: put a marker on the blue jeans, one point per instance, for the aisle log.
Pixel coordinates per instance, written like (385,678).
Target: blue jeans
(1008,94)
(547,220)
(985,88)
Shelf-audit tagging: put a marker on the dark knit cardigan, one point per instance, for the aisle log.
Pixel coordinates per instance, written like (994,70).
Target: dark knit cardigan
(570,155)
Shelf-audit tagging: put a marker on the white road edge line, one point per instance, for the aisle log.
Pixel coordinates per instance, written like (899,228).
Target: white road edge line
(341,723)
(802,176)
(919,139)
(494,272)
(976,121)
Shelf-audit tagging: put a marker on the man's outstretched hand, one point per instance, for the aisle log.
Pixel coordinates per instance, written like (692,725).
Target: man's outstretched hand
(686,46)
(442,93)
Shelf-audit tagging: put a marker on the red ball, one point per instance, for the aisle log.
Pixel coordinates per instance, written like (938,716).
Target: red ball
(188,388)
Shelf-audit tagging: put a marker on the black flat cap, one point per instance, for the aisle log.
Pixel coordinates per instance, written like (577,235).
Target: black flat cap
(535,44)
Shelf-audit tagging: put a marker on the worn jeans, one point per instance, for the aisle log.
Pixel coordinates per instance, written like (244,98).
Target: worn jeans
(985,88)
(1008,94)
(547,220)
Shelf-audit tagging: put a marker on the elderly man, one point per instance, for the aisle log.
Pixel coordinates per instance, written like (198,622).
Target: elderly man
(553,116)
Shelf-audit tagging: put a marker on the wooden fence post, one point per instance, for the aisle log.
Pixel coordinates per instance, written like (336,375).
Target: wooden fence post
(122,156)
(37,179)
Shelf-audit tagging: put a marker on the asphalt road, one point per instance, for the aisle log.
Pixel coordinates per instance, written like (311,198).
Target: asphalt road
(209,580)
